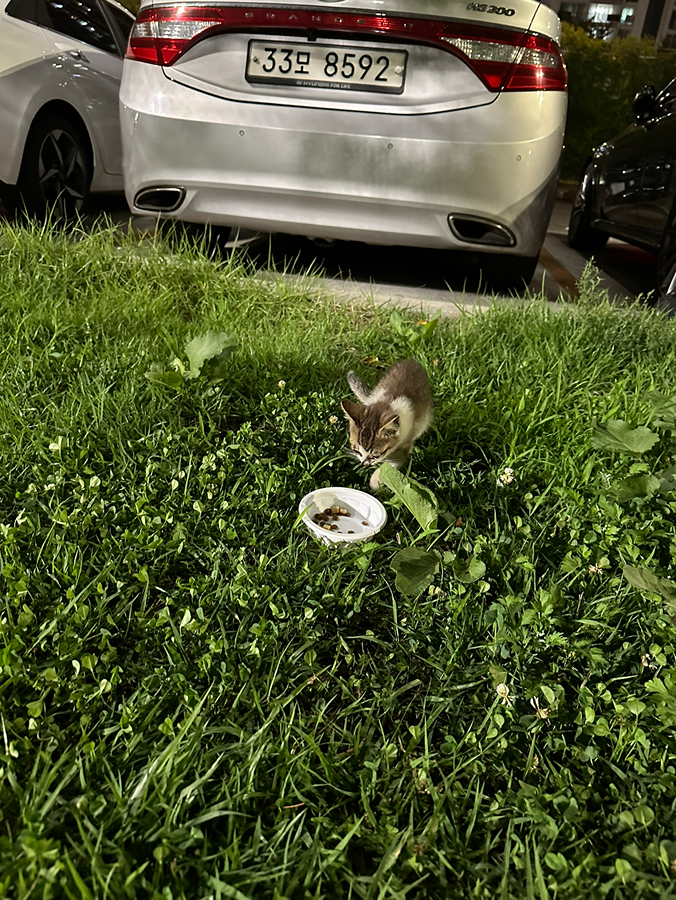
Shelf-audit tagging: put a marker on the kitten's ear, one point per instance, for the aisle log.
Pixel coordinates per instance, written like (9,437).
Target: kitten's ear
(353,411)
(389,427)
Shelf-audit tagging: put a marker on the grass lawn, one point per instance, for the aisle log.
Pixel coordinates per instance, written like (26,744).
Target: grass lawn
(197,700)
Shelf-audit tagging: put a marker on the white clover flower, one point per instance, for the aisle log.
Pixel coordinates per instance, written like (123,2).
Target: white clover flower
(595,570)
(507,476)
(541,712)
(281,384)
(333,420)
(503,693)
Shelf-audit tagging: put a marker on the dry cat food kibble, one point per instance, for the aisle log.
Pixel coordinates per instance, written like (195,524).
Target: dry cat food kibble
(327,518)
(333,513)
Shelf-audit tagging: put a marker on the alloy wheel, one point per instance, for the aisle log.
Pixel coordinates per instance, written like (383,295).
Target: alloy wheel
(62,173)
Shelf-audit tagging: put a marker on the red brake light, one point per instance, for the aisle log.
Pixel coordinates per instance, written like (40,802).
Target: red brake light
(513,61)
(504,59)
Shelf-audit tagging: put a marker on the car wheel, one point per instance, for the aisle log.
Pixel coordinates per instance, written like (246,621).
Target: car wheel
(666,268)
(581,235)
(56,171)
(506,273)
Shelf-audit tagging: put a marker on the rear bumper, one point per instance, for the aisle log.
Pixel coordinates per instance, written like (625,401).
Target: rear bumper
(385,179)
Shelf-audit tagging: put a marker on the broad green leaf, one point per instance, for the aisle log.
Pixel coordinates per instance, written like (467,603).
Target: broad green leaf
(644,815)
(469,570)
(623,868)
(556,861)
(218,367)
(667,479)
(548,694)
(637,486)
(646,580)
(663,409)
(415,570)
(213,347)
(667,851)
(617,435)
(159,375)
(396,322)
(420,501)
(498,674)
(35,709)
(657,686)
(635,706)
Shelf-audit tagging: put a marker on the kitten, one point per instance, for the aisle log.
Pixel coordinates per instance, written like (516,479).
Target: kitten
(393,416)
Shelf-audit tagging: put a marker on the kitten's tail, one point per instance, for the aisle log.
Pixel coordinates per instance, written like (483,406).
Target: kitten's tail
(358,387)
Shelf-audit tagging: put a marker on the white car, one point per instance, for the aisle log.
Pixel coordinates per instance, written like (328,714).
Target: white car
(425,123)
(60,71)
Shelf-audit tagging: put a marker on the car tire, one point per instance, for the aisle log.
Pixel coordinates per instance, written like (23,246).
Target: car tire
(56,170)
(666,268)
(505,273)
(581,235)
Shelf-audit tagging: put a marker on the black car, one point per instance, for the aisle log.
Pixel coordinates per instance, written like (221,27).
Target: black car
(628,187)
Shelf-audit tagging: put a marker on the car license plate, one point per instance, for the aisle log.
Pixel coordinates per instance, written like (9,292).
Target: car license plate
(326,66)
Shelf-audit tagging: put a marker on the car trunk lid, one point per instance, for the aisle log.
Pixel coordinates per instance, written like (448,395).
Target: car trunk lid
(449,54)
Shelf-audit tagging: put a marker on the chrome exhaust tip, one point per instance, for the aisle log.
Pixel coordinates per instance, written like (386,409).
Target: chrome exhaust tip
(475,230)
(159,199)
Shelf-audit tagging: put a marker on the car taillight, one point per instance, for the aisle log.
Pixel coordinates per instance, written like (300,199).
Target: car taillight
(529,62)
(503,58)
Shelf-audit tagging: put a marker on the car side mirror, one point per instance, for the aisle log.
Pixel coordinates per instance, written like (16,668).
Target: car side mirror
(644,104)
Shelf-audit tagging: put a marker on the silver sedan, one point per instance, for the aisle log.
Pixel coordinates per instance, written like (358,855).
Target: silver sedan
(60,71)
(425,123)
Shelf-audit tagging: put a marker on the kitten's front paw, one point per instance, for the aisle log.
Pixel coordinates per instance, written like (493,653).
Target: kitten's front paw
(374,480)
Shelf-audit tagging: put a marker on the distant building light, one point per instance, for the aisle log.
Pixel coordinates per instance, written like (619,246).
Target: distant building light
(599,12)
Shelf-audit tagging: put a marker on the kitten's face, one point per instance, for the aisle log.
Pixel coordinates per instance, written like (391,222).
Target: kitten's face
(373,435)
